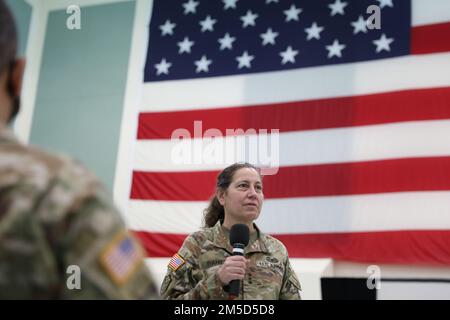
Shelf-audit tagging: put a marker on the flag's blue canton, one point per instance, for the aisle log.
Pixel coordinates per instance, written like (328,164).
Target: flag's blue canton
(207,38)
(126,247)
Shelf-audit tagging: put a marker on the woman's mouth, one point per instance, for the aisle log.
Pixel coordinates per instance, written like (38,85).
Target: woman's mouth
(251,204)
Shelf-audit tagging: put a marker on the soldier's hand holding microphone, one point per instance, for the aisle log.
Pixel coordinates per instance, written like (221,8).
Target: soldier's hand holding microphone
(233,268)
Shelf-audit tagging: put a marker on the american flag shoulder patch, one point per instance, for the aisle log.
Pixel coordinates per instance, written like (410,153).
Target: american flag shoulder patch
(121,257)
(176,262)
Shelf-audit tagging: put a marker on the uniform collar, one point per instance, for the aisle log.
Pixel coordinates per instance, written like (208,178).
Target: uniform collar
(222,239)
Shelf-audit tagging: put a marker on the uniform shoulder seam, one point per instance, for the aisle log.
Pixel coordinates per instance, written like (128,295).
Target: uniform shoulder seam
(277,242)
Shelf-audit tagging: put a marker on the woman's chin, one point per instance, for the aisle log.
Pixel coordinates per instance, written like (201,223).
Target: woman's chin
(251,215)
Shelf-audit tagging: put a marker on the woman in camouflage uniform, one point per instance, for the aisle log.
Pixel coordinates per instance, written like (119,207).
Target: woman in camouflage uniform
(204,265)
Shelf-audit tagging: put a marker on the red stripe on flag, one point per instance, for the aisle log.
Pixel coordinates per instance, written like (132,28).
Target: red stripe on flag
(380,247)
(195,185)
(408,105)
(394,175)
(160,244)
(430,38)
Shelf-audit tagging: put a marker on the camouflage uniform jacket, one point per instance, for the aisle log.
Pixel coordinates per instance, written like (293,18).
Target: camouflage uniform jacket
(194,274)
(56,221)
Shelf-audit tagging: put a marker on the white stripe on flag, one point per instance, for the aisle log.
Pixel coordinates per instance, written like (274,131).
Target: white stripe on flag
(410,72)
(398,140)
(429,12)
(375,212)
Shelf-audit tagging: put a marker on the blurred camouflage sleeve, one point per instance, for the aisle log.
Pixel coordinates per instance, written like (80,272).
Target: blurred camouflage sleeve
(84,229)
(291,288)
(187,281)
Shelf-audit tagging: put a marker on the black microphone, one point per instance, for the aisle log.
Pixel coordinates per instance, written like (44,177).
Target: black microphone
(239,237)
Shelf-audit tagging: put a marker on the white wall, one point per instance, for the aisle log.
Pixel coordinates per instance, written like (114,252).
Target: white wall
(350,269)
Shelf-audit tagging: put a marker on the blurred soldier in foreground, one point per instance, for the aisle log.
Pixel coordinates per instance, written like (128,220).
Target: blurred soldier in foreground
(60,235)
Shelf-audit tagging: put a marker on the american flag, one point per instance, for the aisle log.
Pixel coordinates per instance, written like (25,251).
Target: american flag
(176,262)
(121,259)
(363,113)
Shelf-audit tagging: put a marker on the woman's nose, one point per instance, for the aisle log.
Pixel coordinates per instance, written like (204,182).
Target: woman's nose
(252,192)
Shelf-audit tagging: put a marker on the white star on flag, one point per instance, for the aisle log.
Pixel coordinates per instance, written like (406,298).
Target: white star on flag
(208,24)
(288,55)
(249,19)
(167,28)
(190,6)
(226,42)
(383,43)
(202,64)
(269,1)
(229,4)
(162,67)
(268,37)
(337,7)
(360,25)
(313,32)
(335,49)
(385,3)
(292,13)
(185,45)
(244,60)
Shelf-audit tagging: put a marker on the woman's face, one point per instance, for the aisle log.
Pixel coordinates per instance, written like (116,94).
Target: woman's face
(244,197)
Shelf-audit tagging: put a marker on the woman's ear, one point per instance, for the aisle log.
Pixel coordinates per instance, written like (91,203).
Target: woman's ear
(17,76)
(220,195)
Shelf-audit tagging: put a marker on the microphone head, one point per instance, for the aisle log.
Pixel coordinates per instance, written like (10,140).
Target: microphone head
(239,233)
